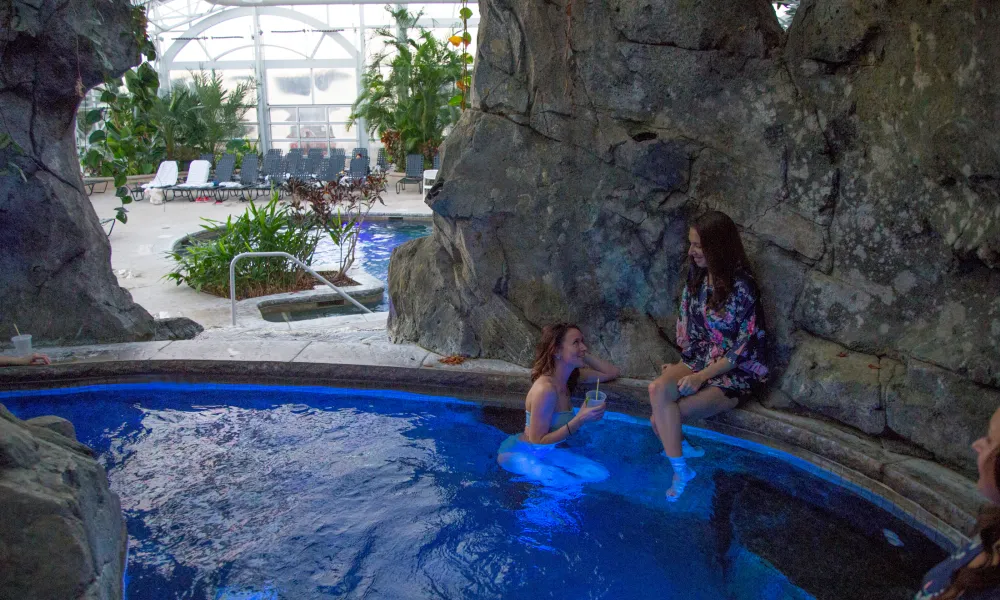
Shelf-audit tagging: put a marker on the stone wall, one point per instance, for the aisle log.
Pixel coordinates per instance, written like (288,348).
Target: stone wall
(56,261)
(859,152)
(63,534)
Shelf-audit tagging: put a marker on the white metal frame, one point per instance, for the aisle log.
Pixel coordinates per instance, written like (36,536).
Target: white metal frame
(167,20)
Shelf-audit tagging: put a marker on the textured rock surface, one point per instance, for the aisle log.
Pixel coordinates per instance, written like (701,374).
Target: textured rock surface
(177,328)
(842,385)
(56,266)
(63,532)
(54,423)
(858,153)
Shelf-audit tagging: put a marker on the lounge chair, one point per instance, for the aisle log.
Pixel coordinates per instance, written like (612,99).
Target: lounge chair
(166,176)
(330,168)
(358,170)
(91,184)
(313,160)
(293,164)
(224,176)
(382,160)
(249,181)
(272,167)
(222,183)
(431,174)
(414,172)
(197,178)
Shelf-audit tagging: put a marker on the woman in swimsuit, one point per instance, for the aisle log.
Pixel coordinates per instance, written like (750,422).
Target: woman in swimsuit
(561,361)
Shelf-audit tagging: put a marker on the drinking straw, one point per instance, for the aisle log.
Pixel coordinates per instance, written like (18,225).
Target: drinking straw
(597,394)
(16,329)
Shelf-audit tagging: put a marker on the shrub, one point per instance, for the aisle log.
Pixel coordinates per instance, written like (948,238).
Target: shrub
(271,228)
(338,209)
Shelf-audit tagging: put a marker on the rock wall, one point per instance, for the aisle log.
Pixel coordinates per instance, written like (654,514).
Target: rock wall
(56,261)
(859,152)
(63,534)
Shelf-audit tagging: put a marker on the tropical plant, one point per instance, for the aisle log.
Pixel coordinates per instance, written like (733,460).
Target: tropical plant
(406,89)
(274,227)
(176,114)
(111,157)
(220,112)
(138,128)
(339,209)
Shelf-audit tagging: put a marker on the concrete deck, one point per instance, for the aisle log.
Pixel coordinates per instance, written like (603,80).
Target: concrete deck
(139,248)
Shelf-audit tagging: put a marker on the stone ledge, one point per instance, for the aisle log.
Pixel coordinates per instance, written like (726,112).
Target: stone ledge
(939,499)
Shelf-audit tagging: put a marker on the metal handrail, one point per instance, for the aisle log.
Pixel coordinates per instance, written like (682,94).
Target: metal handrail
(232,278)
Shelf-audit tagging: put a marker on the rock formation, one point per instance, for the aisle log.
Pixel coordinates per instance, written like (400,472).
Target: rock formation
(858,152)
(63,534)
(56,261)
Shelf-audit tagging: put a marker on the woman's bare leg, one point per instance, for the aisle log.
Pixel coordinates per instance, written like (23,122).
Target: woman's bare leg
(666,413)
(706,402)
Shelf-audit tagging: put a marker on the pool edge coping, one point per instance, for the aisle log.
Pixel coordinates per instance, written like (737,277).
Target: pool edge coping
(900,495)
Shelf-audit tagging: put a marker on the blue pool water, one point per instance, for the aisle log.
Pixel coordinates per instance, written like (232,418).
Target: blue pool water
(249,492)
(375,246)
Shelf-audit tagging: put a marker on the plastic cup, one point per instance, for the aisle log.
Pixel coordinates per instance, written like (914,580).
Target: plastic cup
(22,344)
(595,398)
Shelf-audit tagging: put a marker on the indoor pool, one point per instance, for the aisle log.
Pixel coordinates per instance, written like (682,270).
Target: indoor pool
(251,492)
(375,246)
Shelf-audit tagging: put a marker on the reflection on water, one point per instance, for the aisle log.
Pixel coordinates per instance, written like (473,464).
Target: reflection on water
(243,492)
(375,245)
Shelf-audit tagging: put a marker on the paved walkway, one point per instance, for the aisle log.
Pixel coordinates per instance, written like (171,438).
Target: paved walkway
(139,249)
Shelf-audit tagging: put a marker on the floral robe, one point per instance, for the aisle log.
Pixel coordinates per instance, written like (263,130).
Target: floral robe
(705,335)
(939,578)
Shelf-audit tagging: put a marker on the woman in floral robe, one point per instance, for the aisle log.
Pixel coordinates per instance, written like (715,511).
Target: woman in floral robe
(721,335)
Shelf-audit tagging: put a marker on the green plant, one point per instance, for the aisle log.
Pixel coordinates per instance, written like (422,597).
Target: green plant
(338,209)
(176,114)
(220,112)
(125,139)
(273,227)
(128,144)
(405,90)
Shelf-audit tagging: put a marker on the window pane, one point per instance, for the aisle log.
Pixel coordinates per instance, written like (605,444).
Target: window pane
(251,132)
(339,113)
(251,116)
(311,113)
(313,131)
(284,131)
(288,86)
(312,143)
(335,86)
(233,77)
(282,115)
(339,130)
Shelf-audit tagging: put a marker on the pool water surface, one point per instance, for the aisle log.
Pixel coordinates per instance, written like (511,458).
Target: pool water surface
(375,245)
(250,492)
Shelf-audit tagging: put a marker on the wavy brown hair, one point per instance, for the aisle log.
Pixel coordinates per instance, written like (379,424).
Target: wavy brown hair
(975,579)
(724,255)
(553,337)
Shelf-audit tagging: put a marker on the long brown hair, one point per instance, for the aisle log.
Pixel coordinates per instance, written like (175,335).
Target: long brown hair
(545,352)
(974,579)
(724,255)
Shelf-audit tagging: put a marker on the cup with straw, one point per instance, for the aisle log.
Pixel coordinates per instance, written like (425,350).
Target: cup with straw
(595,397)
(22,342)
